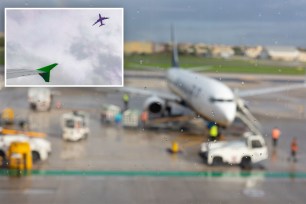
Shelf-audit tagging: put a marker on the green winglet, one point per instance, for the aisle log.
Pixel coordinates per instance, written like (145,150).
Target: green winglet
(44,72)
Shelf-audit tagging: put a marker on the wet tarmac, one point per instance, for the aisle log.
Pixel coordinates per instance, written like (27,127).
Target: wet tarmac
(93,189)
(117,165)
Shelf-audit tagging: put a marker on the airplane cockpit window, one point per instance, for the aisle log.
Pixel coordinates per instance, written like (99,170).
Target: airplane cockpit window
(213,100)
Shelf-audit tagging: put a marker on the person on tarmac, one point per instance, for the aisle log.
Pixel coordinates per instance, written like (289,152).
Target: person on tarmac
(213,132)
(118,118)
(144,118)
(125,99)
(294,148)
(275,136)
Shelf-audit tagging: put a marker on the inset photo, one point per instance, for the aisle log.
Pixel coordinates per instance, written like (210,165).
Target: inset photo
(64,47)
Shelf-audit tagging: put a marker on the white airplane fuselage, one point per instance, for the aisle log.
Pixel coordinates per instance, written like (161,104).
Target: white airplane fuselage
(208,97)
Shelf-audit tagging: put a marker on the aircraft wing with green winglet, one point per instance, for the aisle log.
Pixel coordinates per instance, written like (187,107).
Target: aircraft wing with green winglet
(44,72)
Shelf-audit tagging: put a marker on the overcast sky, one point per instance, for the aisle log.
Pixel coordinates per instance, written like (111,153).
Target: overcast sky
(86,54)
(251,22)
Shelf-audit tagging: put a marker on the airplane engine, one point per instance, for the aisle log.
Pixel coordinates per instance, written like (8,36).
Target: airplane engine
(155,105)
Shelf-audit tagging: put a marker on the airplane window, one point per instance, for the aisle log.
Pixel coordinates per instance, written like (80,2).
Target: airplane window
(220,100)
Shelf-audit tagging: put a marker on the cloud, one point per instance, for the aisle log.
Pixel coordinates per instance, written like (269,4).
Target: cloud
(108,68)
(68,38)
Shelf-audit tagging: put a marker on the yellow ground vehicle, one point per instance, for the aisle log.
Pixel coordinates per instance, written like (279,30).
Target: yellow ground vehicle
(20,156)
(7,116)
(5,131)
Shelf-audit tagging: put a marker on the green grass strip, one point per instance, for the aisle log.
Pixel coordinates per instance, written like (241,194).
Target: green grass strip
(217,65)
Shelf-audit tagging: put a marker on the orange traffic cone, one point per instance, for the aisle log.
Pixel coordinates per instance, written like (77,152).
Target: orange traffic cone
(175,148)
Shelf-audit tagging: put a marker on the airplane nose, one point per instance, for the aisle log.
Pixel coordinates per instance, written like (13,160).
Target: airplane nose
(229,117)
(227,113)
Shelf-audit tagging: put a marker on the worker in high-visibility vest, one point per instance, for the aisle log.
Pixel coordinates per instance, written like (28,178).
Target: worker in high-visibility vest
(125,99)
(213,132)
(275,136)
(294,148)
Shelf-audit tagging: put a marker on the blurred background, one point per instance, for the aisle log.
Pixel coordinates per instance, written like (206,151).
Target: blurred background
(153,141)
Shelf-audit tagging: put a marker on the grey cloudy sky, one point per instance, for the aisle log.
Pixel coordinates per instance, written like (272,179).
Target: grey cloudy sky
(86,54)
(251,22)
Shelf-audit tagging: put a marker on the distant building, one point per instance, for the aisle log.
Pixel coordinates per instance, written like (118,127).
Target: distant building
(239,50)
(302,56)
(138,48)
(223,51)
(160,47)
(280,53)
(253,52)
(185,48)
(200,49)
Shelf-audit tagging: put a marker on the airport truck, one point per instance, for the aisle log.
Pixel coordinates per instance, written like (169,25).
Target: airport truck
(40,147)
(251,149)
(40,99)
(75,125)
(19,156)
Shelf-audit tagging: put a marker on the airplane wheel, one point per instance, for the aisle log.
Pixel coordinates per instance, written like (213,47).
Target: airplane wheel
(246,163)
(33,107)
(217,161)
(2,158)
(35,156)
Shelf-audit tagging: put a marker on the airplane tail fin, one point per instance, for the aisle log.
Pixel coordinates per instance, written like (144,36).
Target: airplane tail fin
(44,72)
(174,59)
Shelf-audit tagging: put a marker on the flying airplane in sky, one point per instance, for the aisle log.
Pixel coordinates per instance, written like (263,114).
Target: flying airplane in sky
(44,72)
(100,20)
(207,97)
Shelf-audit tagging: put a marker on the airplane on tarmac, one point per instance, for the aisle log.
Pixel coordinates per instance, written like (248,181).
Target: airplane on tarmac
(100,20)
(207,97)
(44,72)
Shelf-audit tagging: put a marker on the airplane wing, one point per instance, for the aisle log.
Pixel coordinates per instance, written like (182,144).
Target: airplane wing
(14,73)
(44,72)
(96,22)
(144,92)
(255,92)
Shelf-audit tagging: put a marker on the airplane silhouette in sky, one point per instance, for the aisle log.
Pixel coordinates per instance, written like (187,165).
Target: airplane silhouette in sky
(100,20)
